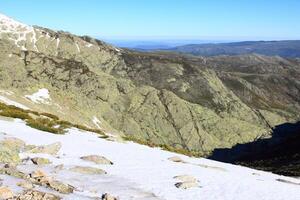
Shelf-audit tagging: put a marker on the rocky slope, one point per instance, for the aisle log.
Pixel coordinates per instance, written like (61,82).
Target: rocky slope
(192,103)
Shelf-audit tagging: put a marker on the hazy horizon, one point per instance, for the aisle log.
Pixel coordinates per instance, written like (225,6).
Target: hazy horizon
(164,20)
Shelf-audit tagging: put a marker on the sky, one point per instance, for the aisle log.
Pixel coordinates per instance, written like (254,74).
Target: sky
(163,19)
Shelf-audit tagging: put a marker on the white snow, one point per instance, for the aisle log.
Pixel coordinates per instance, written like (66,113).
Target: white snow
(11,102)
(57,42)
(41,96)
(140,172)
(17,31)
(77,47)
(89,45)
(97,122)
(118,50)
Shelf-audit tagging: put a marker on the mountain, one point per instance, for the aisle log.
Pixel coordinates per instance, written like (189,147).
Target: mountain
(187,104)
(285,48)
(279,154)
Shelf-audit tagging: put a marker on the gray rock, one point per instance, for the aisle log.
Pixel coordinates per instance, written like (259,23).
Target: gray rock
(97,159)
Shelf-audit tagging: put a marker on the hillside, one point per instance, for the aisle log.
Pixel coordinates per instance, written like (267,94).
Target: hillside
(285,48)
(182,103)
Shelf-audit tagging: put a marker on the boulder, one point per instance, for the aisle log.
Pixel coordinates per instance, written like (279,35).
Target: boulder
(8,155)
(61,187)
(25,184)
(6,193)
(11,170)
(176,159)
(41,178)
(186,178)
(37,195)
(87,170)
(186,185)
(13,143)
(107,196)
(10,149)
(51,149)
(97,159)
(40,161)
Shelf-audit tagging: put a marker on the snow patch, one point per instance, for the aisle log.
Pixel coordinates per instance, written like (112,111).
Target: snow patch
(97,122)
(13,103)
(77,47)
(41,96)
(89,45)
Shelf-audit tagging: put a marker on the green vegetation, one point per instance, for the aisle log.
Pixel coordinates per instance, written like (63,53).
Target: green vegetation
(42,121)
(164,147)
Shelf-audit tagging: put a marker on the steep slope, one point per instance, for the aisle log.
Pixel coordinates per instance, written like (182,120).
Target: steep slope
(285,48)
(158,98)
(279,154)
(138,172)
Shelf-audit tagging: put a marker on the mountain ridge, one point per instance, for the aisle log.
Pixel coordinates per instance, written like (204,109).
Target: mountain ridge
(283,48)
(181,101)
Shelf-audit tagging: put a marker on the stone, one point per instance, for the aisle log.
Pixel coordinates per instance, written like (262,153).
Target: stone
(13,143)
(25,184)
(9,155)
(6,193)
(37,195)
(38,174)
(40,161)
(107,196)
(51,149)
(97,159)
(87,170)
(186,178)
(176,159)
(41,178)
(11,170)
(61,187)
(186,185)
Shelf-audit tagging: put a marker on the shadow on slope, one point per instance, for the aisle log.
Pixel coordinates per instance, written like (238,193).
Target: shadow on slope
(279,154)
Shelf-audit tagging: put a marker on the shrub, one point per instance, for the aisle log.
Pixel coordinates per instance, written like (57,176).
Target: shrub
(45,125)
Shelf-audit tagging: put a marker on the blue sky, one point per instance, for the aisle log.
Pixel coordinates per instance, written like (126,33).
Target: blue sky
(163,19)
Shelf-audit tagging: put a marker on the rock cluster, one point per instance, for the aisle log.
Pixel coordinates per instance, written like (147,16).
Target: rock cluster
(186,182)
(9,161)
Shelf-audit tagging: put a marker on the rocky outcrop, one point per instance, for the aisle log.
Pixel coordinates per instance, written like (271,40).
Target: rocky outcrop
(186,182)
(37,195)
(87,170)
(40,161)
(107,196)
(41,178)
(51,149)
(97,159)
(10,149)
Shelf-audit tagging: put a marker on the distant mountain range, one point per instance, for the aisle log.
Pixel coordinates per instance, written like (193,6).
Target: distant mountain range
(285,48)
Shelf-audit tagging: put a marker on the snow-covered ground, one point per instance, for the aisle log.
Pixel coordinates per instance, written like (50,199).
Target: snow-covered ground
(41,96)
(13,103)
(141,172)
